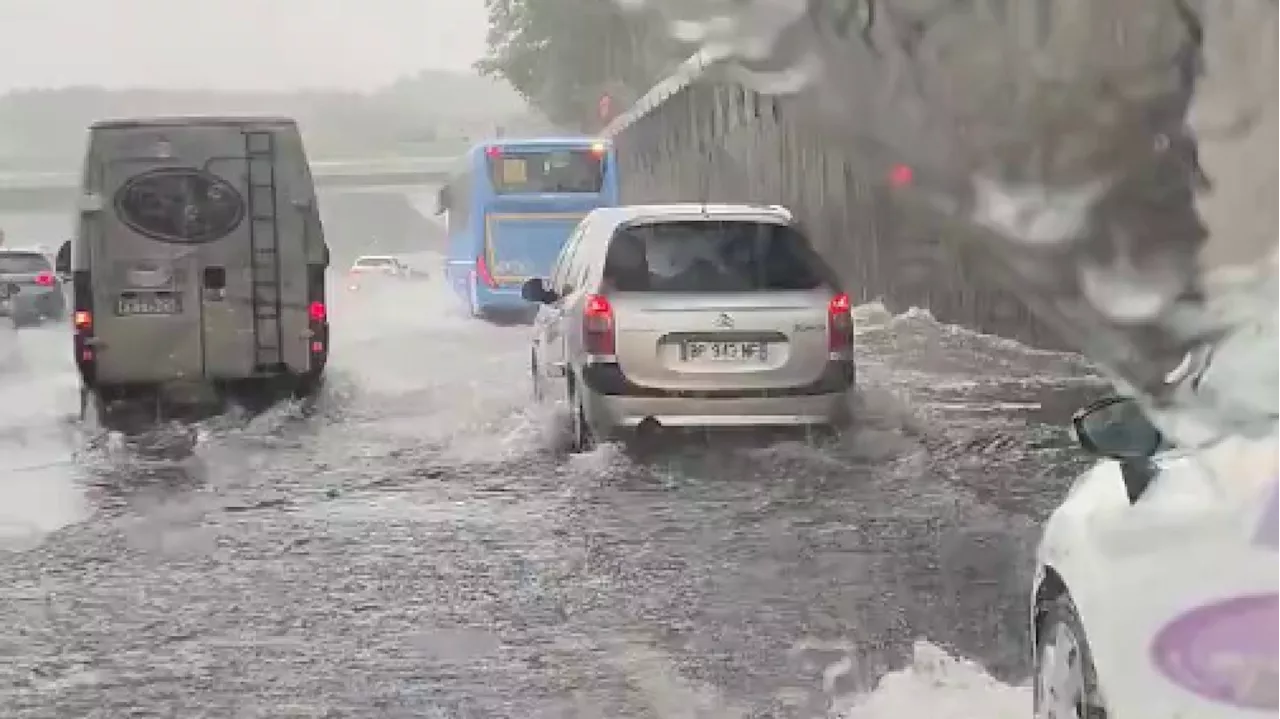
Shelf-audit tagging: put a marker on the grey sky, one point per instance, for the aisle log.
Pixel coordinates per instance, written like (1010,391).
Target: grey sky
(249,44)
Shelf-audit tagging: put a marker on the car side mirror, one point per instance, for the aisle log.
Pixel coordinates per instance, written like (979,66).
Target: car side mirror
(1118,428)
(90,203)
(535,290)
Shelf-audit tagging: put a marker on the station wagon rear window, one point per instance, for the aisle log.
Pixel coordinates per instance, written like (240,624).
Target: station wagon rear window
(23,263)
(713,256)
(553,171)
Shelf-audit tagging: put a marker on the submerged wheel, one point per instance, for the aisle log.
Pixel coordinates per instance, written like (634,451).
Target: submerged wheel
(1066,684)
(534,380)
(56,309)
(580,438)
(306,385)
(473,300)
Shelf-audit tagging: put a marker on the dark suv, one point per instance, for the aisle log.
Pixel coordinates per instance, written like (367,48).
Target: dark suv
(30,290)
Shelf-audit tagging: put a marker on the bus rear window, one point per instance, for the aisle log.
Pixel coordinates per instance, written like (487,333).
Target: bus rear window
(546,172)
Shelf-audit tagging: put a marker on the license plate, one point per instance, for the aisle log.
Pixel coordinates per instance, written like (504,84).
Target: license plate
(724,352)
(149,304)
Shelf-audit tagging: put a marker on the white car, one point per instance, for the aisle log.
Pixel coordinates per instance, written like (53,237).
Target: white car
(368,266)
(1156,584)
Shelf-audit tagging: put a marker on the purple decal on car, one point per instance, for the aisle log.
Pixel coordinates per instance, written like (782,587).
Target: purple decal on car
(1225,651)
(1268,533)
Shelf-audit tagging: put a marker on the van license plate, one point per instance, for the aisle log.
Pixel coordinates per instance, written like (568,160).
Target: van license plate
(724,352)
(149,304)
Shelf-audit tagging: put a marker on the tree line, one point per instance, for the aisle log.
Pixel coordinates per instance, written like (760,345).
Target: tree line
(564,55)
(45,128)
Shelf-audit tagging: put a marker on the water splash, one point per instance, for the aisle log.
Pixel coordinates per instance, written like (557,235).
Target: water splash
(939,686)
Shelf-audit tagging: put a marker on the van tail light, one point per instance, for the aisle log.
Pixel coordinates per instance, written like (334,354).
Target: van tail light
(483,273)
(82,322)
(318,316)
(45,279)
(598,331)
(840,325)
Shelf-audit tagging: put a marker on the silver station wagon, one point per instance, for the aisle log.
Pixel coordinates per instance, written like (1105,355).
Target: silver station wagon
(691,315)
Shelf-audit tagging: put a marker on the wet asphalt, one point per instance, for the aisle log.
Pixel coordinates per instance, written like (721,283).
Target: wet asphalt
(415,543)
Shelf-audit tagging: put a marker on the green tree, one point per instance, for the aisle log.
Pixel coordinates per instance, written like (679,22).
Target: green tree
(562,55)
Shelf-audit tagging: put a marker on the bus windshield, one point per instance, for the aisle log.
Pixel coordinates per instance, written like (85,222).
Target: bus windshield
(515,172)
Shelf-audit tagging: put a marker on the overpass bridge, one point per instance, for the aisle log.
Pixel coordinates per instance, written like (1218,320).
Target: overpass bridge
(56,191)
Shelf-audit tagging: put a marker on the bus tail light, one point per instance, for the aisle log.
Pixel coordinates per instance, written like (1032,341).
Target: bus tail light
(317,312)
(82,320)
(483,273)
(598,331)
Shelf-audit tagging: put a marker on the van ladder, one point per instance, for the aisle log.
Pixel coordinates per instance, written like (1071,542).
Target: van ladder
(264,243)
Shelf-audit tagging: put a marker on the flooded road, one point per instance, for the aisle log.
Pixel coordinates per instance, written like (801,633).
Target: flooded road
(415,545)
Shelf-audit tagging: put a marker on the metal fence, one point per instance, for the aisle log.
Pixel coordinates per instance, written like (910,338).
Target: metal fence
(699,136)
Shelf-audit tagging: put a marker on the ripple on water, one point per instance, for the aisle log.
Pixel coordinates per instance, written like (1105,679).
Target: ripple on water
(40,494)
(736,551)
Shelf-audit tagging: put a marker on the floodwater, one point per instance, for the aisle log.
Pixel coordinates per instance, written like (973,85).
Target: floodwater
(417,544)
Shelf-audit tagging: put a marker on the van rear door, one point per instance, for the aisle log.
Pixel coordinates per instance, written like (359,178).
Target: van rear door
(177,243)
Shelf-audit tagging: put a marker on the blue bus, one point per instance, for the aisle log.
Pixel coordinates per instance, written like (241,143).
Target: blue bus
(511,206)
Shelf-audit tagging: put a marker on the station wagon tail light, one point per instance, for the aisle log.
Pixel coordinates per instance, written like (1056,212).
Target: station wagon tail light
(317,312)
(45,279)
(482,271)
(840,323)
(493,151)
(82,320)
(597,326)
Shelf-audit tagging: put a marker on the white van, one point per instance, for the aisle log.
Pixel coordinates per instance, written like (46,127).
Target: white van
(199,261)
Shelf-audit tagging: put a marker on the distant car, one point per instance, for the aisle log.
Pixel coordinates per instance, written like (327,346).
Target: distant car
(30,291)
(374,266)
(1156,582)
(691,315)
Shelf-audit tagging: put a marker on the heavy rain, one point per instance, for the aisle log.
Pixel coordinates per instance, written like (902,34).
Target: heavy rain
(417,538)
